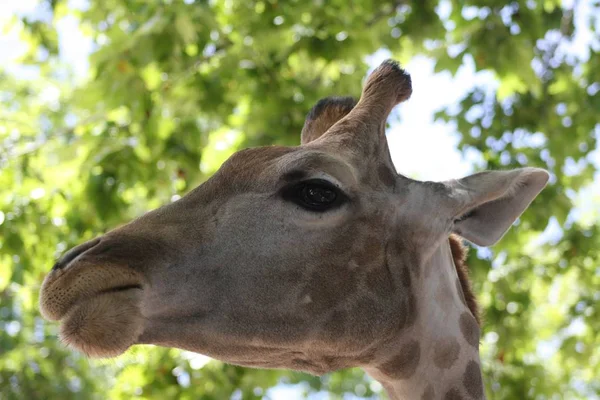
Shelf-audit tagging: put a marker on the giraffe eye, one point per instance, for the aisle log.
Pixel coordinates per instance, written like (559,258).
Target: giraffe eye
(314,195)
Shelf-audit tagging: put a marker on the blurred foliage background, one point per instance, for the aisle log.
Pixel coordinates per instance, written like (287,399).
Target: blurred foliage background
(174,87)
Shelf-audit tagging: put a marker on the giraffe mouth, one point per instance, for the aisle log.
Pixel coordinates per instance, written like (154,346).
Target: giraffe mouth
(81,281)
(97,303)
(105,324)
(122,288)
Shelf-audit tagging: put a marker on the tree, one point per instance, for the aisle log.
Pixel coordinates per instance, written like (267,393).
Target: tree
(173,88)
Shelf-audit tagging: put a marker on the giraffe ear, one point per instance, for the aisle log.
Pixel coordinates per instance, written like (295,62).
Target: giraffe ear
(324,114)
(489,202)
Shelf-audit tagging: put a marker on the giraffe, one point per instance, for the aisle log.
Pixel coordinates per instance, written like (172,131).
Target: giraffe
(313,258)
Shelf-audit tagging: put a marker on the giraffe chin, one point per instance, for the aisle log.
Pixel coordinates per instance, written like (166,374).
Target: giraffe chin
(105,325)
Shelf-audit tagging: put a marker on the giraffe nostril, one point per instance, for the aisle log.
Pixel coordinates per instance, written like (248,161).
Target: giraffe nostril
(74,252)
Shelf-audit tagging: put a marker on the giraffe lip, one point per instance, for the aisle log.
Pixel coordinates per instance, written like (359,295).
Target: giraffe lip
(83,298)
(56,300)
(107,291)
(105,323)
(122,288)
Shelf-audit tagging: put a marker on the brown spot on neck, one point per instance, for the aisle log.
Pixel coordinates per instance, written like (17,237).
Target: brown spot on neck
(469,329)
(472,380)
(445,352)
(403,365)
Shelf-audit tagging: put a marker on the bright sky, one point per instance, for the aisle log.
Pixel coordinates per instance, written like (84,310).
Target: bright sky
(420,147)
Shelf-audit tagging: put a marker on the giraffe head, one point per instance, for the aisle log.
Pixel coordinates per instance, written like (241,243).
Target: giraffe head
(310,258)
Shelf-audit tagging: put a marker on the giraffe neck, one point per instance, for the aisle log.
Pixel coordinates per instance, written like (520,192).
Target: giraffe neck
(437,358)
